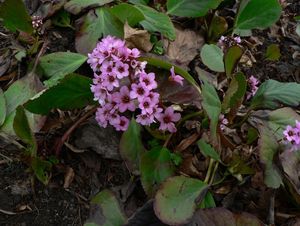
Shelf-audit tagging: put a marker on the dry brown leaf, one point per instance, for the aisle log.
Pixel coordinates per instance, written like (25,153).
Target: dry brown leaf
(185,143)
(188,166)
(69,177)
(185,47)
(137,38)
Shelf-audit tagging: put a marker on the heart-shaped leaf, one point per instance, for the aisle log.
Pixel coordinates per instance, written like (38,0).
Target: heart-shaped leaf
(156,165)
(71,92)
(272,93)
(57,65)
(208,150)
(176,200)
(191,8)
(212,57)
(257,14)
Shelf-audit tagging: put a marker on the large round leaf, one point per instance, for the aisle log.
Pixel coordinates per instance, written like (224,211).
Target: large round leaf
(257,14)
(191,8)
(176,200)
(212,57)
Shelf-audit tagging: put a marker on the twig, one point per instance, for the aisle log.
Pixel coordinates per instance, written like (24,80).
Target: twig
(2,34)
(37,59)
(72,128)
(7,158)
(7,212)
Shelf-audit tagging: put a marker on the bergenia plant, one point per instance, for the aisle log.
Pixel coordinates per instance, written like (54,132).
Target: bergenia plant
(122,86)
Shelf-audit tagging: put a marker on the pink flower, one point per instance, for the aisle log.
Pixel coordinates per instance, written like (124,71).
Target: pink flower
(253,82)
(146,105)
(289,133)
(135,53)
(110,82)
(175,78)
(167,120)
(125,102)
(107,67)
(138,91)
(123,123)
(100,93)
(223,121)
(121,70)
(145,119)
(237,39)
(148,80)
(154,96)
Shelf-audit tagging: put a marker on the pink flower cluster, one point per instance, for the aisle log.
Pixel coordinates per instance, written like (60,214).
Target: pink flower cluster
(226,42)
(223,122)
(121,85)
(252,82)
(292,135)
(37,22)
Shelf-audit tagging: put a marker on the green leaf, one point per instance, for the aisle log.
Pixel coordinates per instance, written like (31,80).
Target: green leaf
(191,8)
(97,23)
(15,16)
(208,151)
(235,92)
(57,65)
(268,148)
(258,14)
(131,146)
(155,166)
(143,2)
(157,22)
(212,57)
(273,52)
(41,168)
(208,201)
(231,59)
(2,107)
(62,19)
(218,26)
(212,106)
(76,6)
(126,12)
(276,121)
(176,200)
(223,217)
(271,94)
(167,66)
(72,92)
(298,29)
(23,130)
(110,213)
(17,94)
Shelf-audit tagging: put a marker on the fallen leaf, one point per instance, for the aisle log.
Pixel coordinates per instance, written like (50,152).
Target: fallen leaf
(69,177)
(185,47)
(185,143)
(137,38)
